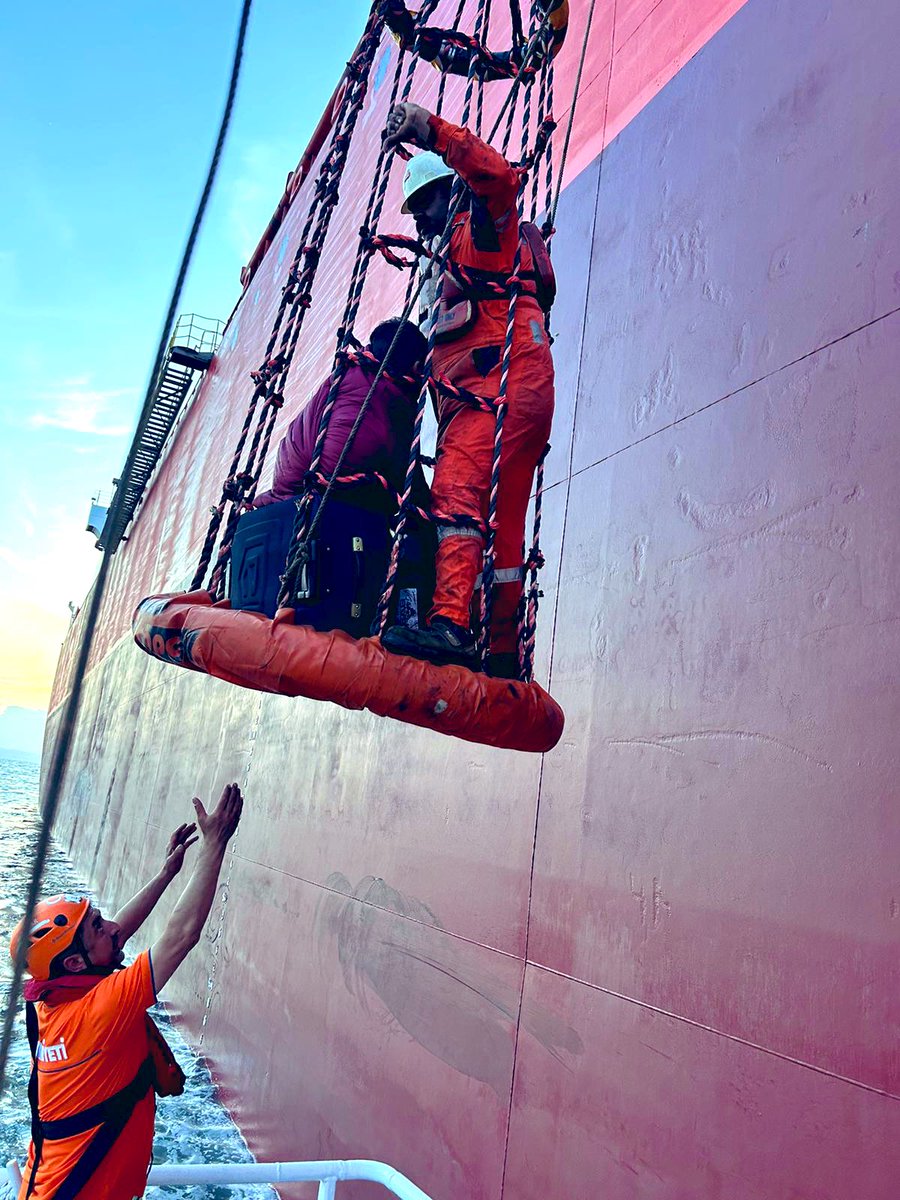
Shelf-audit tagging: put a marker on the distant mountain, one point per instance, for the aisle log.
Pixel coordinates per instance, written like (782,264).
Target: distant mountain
(21,731)
(26,756)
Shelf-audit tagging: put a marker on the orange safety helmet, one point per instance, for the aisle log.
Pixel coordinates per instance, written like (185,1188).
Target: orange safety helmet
(54,924)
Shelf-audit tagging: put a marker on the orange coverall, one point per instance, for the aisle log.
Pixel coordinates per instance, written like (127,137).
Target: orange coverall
(488,241)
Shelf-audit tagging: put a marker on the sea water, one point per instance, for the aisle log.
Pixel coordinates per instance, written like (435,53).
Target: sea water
(191,1128)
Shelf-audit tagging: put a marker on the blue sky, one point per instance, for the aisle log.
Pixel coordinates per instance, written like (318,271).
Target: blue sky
(107,118)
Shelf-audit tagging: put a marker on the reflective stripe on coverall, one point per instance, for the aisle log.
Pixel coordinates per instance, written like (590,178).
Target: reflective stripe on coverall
(487,238)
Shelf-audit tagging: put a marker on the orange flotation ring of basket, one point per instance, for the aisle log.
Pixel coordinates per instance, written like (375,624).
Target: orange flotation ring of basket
(246,648)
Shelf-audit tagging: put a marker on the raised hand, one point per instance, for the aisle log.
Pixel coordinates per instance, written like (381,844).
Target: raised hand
(184,927)
(407,123)
(218,826)
(179,842)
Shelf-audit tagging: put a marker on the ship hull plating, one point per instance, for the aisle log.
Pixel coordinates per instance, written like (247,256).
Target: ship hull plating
(662,960)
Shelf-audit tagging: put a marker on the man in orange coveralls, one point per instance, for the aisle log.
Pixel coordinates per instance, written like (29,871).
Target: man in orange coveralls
(97,1056)
(469,338)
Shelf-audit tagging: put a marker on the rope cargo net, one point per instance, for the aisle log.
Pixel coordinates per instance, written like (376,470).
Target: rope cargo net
(528,66)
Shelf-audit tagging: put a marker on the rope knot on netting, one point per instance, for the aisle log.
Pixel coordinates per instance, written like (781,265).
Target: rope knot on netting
(408,381)
(344,357)
(541,142)
(386,243)
(358,66)
(454,37)
(235,486)
(408,507)
(318,481)
(454,391)
(332,193)
(295,298)
(268,370)
(365,355)
(486,285)
(460,521)
(430,44)
(276,400)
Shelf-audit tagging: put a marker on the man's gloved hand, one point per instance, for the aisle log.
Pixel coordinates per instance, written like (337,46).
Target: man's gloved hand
(407,123)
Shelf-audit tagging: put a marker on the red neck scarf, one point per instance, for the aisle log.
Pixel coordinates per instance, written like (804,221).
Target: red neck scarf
(60,990)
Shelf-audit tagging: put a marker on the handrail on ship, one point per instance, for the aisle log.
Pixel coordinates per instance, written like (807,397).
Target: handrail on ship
(327,1174)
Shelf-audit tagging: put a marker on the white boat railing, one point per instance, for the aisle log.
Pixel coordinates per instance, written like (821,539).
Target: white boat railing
(327,1174)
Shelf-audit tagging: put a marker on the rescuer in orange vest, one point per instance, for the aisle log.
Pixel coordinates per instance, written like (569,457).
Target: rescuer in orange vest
(97,1058)
(470,331)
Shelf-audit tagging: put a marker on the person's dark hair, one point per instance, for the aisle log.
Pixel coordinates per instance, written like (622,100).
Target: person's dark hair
(408,353)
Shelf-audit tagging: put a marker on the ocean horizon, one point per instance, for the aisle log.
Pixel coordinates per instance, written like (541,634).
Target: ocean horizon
(10,754)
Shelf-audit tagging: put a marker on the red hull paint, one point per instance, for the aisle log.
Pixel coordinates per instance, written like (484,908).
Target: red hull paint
(662,962)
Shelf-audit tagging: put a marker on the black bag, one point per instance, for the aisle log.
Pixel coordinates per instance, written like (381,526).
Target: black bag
(340,585)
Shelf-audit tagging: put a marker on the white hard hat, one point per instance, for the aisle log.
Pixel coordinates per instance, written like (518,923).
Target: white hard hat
(421,170)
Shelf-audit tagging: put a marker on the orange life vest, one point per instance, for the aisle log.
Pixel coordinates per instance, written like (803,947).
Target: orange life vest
(158,1071)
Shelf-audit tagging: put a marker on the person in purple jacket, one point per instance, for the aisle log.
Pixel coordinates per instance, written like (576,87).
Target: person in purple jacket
(382,441)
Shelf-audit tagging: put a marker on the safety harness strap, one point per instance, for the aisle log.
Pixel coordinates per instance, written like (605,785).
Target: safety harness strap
(482,284)
(107,1110)
(100,1144)
(37,1137)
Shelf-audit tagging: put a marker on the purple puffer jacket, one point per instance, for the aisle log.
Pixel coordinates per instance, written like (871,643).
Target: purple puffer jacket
(381,443)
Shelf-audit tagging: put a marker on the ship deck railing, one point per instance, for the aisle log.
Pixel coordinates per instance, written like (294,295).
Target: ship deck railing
(328,1174)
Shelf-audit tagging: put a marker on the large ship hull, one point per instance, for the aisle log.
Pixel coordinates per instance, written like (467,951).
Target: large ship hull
(660,961)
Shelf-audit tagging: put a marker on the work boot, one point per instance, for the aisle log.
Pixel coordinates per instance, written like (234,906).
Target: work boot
(441,642)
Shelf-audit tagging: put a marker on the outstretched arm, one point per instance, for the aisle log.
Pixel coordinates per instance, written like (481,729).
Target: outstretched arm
(182,933)
(481,167)
(296,449)
(132,916)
